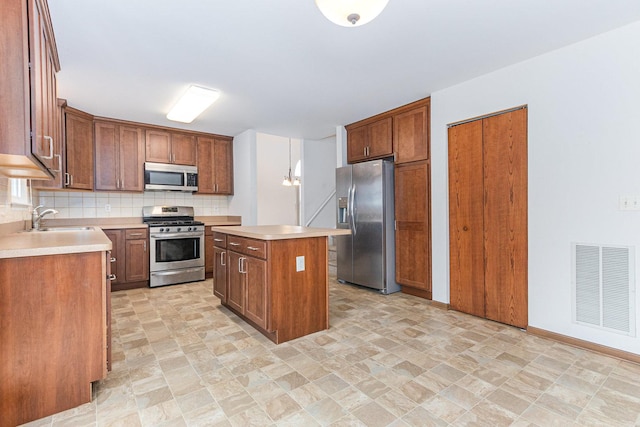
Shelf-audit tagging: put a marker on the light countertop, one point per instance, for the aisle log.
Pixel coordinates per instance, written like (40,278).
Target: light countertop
(279,232)
(38,243)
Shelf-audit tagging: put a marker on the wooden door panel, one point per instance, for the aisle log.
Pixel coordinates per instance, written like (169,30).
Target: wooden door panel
(137,260)
(131,159)
(256,291)
(356,143)
(158,146)
(410,133)
(107,160)
(235,295)
(223,166)
(184,149)
(466,252)
(79,142)
(381,138)
(505,213)
(411,192)
(206,162)
(117,254)
(220,263)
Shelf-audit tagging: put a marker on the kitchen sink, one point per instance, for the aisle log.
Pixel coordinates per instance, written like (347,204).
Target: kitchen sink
(60,229)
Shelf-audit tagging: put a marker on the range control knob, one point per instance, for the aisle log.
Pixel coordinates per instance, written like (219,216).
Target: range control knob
(161,230)
(189,229)
(178,229)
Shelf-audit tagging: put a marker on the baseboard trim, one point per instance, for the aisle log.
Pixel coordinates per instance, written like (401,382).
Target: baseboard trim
(416,292)
(575,342)
(440,305)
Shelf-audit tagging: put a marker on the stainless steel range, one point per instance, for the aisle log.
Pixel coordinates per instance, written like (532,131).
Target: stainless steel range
(177,245)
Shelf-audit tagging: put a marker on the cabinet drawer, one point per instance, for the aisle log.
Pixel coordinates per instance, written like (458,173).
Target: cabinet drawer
(252,247)
(135,233)
(219,240)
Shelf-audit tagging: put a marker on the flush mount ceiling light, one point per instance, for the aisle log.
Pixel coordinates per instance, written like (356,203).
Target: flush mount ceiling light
(192,103)
(351,13)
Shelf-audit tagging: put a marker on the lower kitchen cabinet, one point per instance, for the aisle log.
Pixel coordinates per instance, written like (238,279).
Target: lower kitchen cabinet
(263,282)
(130,258)
(53,333)
(413,235)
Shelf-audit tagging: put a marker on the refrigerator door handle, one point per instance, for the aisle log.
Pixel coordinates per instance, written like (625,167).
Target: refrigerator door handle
(353,210)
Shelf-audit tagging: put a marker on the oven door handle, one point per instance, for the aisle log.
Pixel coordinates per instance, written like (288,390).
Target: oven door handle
(176,235)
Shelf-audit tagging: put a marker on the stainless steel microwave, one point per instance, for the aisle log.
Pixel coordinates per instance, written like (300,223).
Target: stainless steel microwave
(161,176)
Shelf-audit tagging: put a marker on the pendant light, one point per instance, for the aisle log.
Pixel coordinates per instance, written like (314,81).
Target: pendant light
(288,182)
(351,13)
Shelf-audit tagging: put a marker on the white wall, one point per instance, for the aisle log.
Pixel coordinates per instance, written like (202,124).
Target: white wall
(584,152)
(276,204)
(319,181)
(243,202)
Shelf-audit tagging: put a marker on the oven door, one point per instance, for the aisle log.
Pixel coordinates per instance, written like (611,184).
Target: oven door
(170,251)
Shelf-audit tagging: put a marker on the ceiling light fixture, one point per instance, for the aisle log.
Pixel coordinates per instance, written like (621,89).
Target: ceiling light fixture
(192,103)
(351,13)
(288,180)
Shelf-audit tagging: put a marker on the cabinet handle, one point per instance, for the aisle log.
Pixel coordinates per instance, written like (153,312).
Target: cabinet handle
(251,248)
(234,244)
(135,234)
(222,260)
(59,156)
(145,246)
(239,265)
(111,277)
(113,259)
(217,240)
(50,156)
(67,179)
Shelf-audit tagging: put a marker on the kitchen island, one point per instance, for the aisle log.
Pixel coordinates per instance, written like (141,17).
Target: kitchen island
(274,277)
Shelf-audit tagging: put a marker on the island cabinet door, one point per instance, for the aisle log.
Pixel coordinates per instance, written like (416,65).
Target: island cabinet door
(235,296)
(255,272)
(220,264)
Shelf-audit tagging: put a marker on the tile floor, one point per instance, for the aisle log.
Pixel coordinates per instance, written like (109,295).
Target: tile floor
(183,360)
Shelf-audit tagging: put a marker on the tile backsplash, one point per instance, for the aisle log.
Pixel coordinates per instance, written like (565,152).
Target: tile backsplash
(71,204)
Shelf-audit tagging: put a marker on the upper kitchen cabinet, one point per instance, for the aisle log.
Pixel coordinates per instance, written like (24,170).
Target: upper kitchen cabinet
(170,147)
(402,133)
(29,136)
(119,156)
(370,140)
(76,168)
(215,165)
(411,132)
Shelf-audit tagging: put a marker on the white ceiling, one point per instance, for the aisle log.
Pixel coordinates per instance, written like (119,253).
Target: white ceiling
(286,70)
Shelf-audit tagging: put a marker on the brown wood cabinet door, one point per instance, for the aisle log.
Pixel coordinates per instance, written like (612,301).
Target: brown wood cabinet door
(137,260)
(235,295)
(117,255)
(223,166)
(184,149)
(380,138)
(255,308)
(107,156)
(158,146)
(220,273)
(206,165)
(208,253)
(505,217)
(413,258)
(466,251)
(410,135)
(357,144)
(79,142)
(131,159)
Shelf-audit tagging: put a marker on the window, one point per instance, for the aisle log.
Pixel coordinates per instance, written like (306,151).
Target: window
(18,192)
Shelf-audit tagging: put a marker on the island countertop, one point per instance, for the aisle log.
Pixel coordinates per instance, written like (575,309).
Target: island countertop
(279,232)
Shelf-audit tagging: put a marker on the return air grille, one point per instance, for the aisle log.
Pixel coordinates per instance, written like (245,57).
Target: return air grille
(604,288)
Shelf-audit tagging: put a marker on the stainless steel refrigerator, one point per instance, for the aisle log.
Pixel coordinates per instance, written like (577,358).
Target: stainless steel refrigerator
(364,194)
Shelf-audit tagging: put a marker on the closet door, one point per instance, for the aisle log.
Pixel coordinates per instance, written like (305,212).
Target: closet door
(505,217)
(466,228)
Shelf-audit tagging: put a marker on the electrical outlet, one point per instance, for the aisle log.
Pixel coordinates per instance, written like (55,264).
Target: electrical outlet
(300,263)
(107,207)
(629,203)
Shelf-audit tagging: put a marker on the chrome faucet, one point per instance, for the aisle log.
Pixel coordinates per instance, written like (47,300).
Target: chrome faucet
(36,216)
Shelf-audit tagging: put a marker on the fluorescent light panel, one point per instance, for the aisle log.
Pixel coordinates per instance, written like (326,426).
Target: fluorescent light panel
(192,103)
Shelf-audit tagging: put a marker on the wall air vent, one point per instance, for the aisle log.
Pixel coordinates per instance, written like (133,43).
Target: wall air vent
(604,287)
